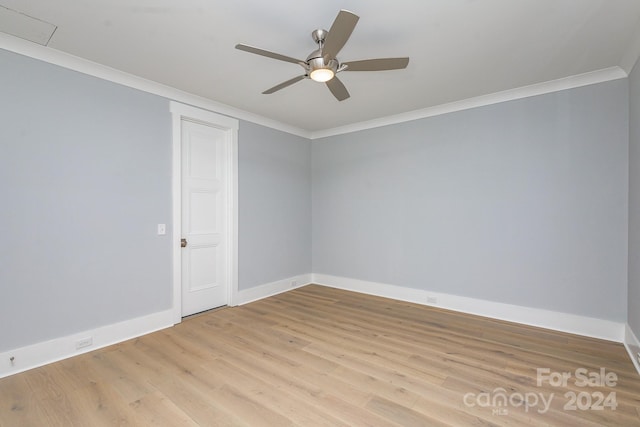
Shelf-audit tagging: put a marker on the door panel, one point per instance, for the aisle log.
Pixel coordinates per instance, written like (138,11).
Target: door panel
(204,222)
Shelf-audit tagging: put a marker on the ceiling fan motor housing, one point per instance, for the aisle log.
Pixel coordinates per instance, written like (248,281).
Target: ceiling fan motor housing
(316,61)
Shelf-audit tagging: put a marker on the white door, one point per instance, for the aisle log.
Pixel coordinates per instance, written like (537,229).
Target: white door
(205,226)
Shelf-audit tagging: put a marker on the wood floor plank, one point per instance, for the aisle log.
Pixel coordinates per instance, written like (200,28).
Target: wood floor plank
(155,409)
(318,356)
(297,409)
(125,377)
(400,414)
(194,392)
(101,404)
(18,407)
(53,396)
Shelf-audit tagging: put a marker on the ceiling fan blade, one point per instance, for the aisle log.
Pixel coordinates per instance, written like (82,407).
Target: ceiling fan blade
(339,33)
(337,89)
(267,53)
(380,64)
(283,85)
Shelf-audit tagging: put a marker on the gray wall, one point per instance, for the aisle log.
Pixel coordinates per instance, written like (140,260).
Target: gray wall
(85,175)
(523,202)
(274,199)
(634,201)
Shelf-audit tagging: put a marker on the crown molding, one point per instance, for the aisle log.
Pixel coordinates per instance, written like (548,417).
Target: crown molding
(84,66)
(62,59)
(599,76)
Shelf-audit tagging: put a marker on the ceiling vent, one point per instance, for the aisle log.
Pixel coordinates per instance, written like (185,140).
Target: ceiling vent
(26,27)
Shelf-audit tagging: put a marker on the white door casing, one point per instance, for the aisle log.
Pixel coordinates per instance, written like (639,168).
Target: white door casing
(204,210)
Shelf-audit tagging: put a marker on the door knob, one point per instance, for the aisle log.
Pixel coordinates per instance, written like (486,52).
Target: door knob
(183,243)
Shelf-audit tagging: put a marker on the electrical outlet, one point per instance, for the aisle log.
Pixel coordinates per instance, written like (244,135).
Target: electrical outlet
(85,342)
(432,300)
(294,283)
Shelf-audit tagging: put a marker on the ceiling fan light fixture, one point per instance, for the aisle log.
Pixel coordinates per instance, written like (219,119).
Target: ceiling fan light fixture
(322,75)
(319,70)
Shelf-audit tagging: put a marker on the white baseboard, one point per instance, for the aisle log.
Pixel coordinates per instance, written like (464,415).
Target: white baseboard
(565,322)
(269,289)
(42,353)
(632,345)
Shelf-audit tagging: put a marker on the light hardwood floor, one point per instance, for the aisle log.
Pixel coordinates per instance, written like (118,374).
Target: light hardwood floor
(321,356)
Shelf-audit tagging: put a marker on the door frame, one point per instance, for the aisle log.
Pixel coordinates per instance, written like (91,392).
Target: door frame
(229,125)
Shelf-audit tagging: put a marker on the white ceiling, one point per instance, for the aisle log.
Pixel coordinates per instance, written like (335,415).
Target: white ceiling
(459,49)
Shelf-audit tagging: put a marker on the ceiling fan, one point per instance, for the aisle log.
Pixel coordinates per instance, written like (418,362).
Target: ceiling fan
(322,65)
